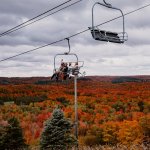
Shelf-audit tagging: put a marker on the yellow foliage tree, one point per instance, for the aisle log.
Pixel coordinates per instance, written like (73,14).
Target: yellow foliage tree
(110,130)
(145,124)
(130,133)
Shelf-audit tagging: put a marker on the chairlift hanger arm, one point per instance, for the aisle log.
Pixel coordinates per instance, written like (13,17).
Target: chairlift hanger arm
(108,6)
(106,3)
(68,46)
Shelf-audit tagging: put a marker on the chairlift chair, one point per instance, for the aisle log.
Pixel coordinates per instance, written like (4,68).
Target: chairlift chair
(76,71)
(102,35)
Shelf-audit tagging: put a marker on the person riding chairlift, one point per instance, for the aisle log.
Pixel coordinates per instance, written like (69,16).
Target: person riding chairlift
(69,70)
(75,69)
(57,73)
(65,71)
(61,65)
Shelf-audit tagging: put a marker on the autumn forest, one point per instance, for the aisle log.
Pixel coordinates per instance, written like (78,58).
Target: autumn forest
(111,110)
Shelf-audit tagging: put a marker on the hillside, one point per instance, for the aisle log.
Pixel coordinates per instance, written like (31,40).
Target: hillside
(46,80)
(111,109)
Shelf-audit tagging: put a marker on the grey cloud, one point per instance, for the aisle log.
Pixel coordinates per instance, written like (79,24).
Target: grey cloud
(100,57)
(6,23)
(26,8)
(138,19)
(131,3)
(138,36)
(57,27)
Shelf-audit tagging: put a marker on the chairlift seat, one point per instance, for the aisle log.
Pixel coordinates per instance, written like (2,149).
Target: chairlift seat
(102,35)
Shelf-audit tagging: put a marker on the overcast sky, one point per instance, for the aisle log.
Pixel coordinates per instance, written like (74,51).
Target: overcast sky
(100,58)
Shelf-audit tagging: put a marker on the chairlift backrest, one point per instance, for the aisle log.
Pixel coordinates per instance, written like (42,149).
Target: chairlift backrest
(108,36)
(64,54)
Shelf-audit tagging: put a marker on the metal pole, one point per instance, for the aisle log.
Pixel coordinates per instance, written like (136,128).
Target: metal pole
(76,108)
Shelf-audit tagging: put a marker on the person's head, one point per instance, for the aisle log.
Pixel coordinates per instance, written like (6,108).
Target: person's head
(62,63)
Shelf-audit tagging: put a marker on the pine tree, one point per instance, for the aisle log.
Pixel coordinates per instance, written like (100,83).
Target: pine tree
(12,138)
(57,133)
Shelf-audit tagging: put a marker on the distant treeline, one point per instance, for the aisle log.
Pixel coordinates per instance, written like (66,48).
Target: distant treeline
(129,79)
(47,80)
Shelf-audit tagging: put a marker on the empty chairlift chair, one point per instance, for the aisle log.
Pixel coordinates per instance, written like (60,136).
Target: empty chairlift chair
(102,35)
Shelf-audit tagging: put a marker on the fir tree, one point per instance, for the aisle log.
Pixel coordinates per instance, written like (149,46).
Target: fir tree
(57,133)
(12,137)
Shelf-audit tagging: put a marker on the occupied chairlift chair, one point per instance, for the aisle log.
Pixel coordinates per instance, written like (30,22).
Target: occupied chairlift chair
(108,36)
(76,70)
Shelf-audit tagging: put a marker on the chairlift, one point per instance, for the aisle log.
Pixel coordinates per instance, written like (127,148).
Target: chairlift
(102,35)
(74,71)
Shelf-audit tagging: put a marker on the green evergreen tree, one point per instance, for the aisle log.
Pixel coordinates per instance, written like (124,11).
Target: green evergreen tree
(12,137)
(56,134)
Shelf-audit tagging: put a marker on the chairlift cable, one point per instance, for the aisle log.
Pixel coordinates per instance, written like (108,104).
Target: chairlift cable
(73,34)
(31,50)
(28,22)
(34,18)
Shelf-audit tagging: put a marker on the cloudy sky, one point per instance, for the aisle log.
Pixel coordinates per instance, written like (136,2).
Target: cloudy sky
(100,58)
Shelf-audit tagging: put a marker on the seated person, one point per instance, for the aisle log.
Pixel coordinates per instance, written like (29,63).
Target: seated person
(75,69)
(65,71)
(55,75)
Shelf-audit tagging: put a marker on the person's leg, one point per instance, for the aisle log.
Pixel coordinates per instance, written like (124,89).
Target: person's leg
(53,76)
(65,76)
